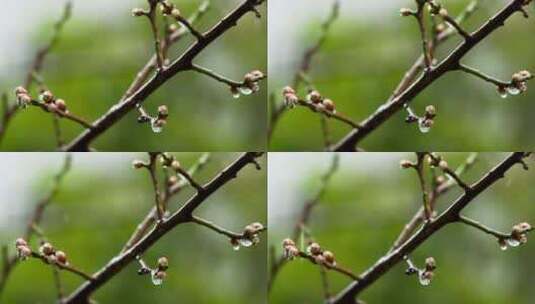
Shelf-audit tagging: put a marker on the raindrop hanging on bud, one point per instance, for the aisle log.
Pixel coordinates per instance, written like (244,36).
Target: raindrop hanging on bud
(425,125)
(245,90)
(513,90)
(512,242)
(245,242)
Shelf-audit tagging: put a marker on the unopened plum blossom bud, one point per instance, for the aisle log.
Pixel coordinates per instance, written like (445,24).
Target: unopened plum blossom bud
(288,242)
(314,249)
(23,252)
(329,258)
(163,263)
(138,12)
(329,105)
(430,264)
(20,242)
(319,259)
(61,257)
(46,249)
(138,164)
(291,100)
(443,13)
(314,97)
(173,180)
(175,12)
(405,12)
(430,112)
(175,164)
(522,76)
(443,165)
(405,164)
(23,100)
(163,112)
(61,105)
(288,90)
(46,97)
(20,90)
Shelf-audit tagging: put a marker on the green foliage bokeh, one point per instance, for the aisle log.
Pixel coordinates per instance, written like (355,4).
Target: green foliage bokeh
(94,63)
(363,60)
(365,208)
(94,215)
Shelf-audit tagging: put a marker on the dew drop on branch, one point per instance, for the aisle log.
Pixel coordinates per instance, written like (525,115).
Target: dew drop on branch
(512,242)
(156,280)
(245,242)
(245,90)
(156,126)
(424,279)
(423,126)
(513,90)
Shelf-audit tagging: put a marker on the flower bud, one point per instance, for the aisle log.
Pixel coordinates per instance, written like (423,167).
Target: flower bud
(314,97)
(430,264)
(288,90)
(138,12)
(430,112)
(175,12)
(288,242)
(443,165)
(46,249)
(138,164)
(20,90)
(173,179)
(175,165)
(20,242)
(314,249)
(405,12)
(163,112)
(61,257)
(329,105)
(163,263)
(329,257)
(405,164)
(61,105)
(46,97)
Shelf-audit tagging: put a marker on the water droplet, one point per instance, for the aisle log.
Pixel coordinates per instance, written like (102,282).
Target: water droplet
(513,90)
(236,247)
(156,125)
(503,94)
(503,247)
(245,90)
(424,125)
(236,95)
(424,278)
(245,242)
(156,279)
(512,242)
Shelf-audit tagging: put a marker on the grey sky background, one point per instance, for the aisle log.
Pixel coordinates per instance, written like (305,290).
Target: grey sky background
(287,19)
(22,170)
(289,172)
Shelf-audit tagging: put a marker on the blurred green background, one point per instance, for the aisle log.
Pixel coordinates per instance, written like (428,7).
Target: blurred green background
(368,51)
(99,54)
(99,205)
(365,207)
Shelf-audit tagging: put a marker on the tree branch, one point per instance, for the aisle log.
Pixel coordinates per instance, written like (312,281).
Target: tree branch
(183,215)
(451,215)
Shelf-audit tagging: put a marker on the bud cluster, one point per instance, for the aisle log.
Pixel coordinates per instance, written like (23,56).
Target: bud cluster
(169,9)
(290,98)
(321,257)
(51,255)
(250,236)
(251,80)
(23,98)
(289,250)
(23,250)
